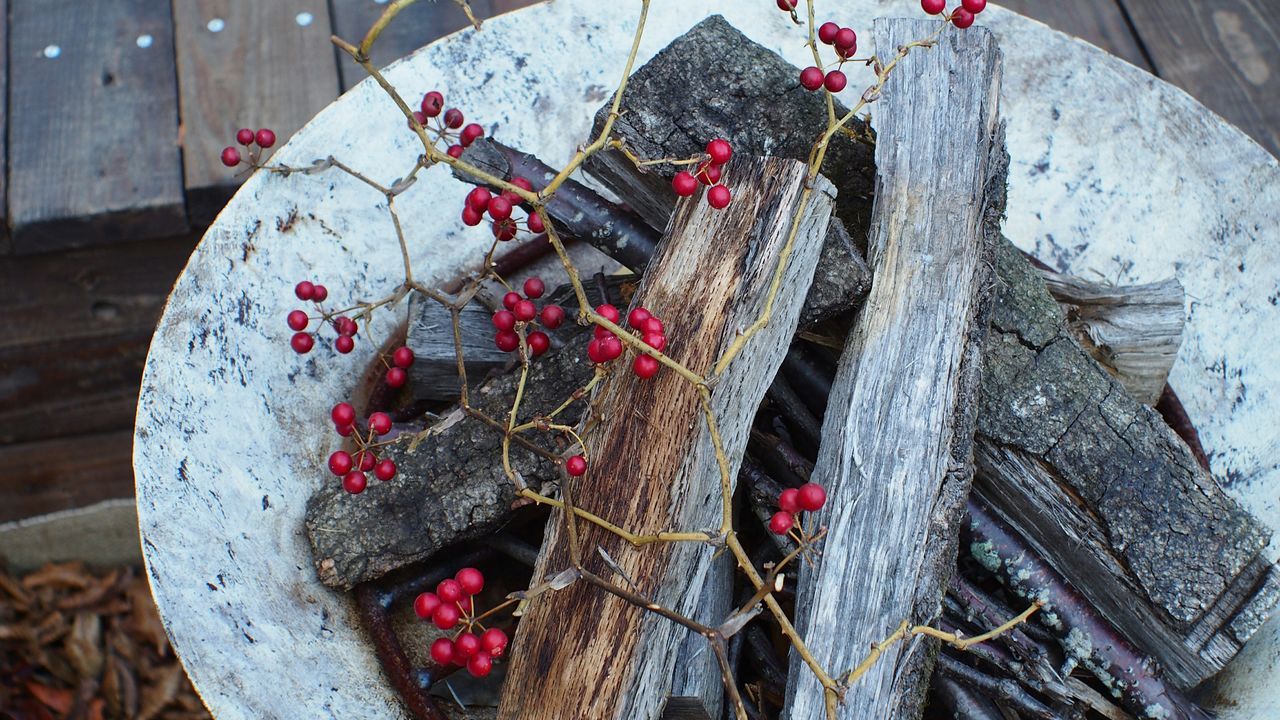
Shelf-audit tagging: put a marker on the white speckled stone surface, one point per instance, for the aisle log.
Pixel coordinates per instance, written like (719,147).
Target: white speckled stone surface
(1114,173)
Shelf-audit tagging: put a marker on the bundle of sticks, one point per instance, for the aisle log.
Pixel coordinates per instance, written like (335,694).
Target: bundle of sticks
(990,434)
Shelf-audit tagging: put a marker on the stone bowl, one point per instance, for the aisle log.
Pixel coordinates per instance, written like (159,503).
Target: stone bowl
(1115,174)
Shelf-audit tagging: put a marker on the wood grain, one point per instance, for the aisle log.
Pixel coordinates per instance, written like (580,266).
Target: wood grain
(92,154)
(51,475)
(652,465)
(262,69)
(1101,22)
(434,372)
(4,119)
(1225,53)
(896,452)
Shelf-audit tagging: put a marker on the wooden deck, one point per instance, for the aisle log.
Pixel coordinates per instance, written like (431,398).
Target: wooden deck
(117,110)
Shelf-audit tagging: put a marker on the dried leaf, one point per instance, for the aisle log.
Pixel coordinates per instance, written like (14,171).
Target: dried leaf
(156,697)
(95,709)
(11,587)
(64,575)
(144,621)
(58,700)
(84,645)
(92,594)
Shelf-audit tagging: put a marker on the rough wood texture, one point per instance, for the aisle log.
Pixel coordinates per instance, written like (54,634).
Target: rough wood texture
(92,154)
(4,118)
(896,454)
(653,467)
(434,372)
(263,68)
(1133,330)
(415,26)
(51,475)
(1105,490)
(1101,22)
(1222,53)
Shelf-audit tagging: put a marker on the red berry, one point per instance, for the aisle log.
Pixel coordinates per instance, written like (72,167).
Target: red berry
(504,320)
(653,326)
(425,605)
(603,332)
(345,326)
(608,312)
(787,5)
(470,134)
(789,500)
(297,320)
(538,342)
(499,208)
(611,347)
(385,470)
(453,118)
(827,32)
(961,18)
(510,299)
(365,459)
(454,151)
(576,466)
(552,316)
(471,580)
(506,340)
(781,522)
(343,414)
(718,197)
(811,78)
(480,664)
(230,156)
(344,344)
(340,463)
(638,316)
(244,136)
(974,6)
(402,357)
(478,199)
(494,641)
(720,151)
(835,81)
(645,367)
(301,343)
(449,590)
(396,377)
(684,183)
(344,430)
(522,183)
(305,290)
(354,482)
(525,310)
(933,7)
(265,138)
(466,645)
(504,229)
(446,616)
(709,175)
(534,221)
(534,287)
(418,120)
(321,293)
(811,496)
(594,353)
(655,341)
(432,104)
(846,40)
(442,651)
(380,423)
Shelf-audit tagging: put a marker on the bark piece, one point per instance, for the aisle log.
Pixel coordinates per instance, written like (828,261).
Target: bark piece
(896,455)
(652,463)
(1107,492)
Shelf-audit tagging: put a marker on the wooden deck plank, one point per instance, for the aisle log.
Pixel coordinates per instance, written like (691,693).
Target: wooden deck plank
(48,476)
(93,156)
(1100,22)
(1225,53)
(246,64)
(415,26)
(4,118)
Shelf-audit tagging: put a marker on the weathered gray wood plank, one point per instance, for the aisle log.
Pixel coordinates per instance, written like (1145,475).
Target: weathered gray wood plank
(1101,22)
(92,154)
(434,372)
(896,454)
(652,464)
(4,119)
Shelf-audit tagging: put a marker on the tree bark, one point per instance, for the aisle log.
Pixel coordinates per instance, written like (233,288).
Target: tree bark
(581,652)
(896,455)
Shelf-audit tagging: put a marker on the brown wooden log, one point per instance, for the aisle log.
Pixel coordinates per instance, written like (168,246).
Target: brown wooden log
(580,652)
(896,454)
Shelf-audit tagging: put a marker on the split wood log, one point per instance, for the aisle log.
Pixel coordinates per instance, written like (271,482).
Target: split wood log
(1109,495)
(434,373)
(896,453)
(1134,330)
(653,467)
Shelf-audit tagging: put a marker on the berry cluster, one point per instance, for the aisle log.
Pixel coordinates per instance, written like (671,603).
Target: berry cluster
(962,17)
(606,346)
(263,139)
(298,320)
(845,42)
(445,123)
(808,497)
(522,312)
(499,207)
(352,469)
(398,369)
(707,172)
(451,605)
